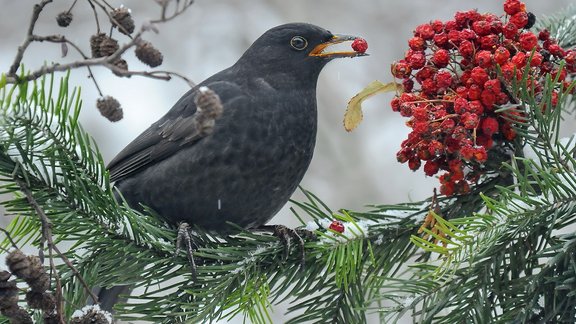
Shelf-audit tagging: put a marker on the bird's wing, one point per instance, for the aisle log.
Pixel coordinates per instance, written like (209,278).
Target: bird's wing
(169,134)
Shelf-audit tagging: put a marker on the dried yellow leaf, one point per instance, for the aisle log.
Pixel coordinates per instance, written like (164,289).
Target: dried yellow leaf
(353,114)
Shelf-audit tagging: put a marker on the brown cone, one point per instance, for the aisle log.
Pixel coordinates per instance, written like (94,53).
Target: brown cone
(122,64)
(18,264)
(95,41)
(110,108)
(64,19)
(41,300)
(148,54)
(108,46)
(122,17)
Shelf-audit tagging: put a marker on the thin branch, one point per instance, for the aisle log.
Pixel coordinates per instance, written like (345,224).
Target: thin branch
(9,237)
(47,234)
(93,78)
(72,6)
(87,61)
(95,16)
(107,62)
(160,75)
(106,3)
(176,13)
(56,67)
(63,39)
(22,48)
(59,39)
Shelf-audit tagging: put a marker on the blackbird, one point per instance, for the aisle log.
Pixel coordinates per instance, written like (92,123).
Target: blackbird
(248,166)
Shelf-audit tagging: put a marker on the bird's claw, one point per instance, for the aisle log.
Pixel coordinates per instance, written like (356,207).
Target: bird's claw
(184,238)
(286,235)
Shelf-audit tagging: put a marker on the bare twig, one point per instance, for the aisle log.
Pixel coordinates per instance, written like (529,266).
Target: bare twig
(95,15)
(107,62)
(47,235)
(9,237)
(160,75)
(94,81)
(63,39)
(177,11)
(59,39)
(106,3)
(56,67)
(22,48)
(72,6)
(87,61)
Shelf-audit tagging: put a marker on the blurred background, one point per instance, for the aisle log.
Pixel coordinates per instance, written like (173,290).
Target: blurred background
(349,170)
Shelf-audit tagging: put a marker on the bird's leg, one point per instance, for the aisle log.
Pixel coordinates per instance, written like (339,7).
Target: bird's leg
(184,238)
(286,235)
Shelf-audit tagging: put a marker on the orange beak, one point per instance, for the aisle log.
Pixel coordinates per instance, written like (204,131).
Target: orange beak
(321,49)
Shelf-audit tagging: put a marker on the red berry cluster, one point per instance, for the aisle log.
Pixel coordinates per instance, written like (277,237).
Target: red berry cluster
(454,76)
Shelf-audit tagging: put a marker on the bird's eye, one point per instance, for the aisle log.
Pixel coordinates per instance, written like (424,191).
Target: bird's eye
(298,43)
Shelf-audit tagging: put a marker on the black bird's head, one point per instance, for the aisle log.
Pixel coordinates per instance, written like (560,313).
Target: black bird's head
(296,48)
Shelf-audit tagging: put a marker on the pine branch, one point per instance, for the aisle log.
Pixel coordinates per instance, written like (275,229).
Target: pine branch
(68,182)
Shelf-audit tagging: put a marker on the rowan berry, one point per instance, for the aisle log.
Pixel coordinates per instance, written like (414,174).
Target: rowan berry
(443,79)
(510,30)
(482,27)
(441,58)
(536,59)
(417,60)
(483,59)
(414,164)
(528,41)
(360,45)
(489,125)
(401,69)
(519,60)
(425,31)
(556,50)
(431,167)
(466,49)
(488,99)
(501,55)
(544,35)
(476,107)
(520,19)
(469,120)
(408,85)
(512,7)
(417,43)
(489,42)
(337,226)
(479,75)
(441,40)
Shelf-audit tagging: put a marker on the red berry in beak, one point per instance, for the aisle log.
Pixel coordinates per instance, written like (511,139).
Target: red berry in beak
(360,45)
